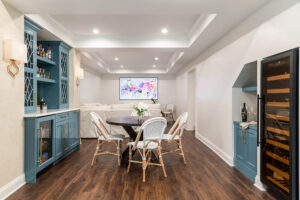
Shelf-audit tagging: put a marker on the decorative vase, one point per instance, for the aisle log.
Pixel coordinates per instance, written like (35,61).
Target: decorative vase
(141,117)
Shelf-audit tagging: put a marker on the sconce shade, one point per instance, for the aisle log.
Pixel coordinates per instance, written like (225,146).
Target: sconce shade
(81,73)
(14,50)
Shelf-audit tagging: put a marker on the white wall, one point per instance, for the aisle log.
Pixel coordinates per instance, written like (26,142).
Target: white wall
(11,102)
(216,74)
(191,89)
(90,87)
(105,89)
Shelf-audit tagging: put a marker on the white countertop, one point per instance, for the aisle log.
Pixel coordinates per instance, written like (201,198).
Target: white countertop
(49,112)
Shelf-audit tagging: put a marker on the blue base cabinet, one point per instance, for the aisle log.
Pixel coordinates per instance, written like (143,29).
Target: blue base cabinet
(245,150)
(49,139)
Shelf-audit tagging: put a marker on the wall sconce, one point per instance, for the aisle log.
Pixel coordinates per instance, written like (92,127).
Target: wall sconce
(80,76)
(14,53)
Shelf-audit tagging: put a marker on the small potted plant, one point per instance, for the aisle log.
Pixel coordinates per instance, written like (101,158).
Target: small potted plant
(141,108)
(154,101)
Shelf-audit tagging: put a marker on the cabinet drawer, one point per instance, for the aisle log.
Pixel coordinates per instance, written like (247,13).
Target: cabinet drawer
(73,114)
(62,116)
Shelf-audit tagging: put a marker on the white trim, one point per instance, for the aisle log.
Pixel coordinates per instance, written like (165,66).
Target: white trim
(259,184)
(12,186)
(227,158)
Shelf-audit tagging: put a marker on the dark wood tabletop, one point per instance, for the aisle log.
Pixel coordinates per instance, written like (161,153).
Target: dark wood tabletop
(126,121)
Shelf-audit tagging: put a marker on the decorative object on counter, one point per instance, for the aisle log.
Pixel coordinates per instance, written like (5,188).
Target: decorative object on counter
(154,101)
(141,108)
(42,102)
(244,113)
(80,76)
(14,53)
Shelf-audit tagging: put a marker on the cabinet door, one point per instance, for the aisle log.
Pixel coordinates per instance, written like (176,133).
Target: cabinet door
(65,136)
(45,153)
(251,146)
(64,77)
(58,140)
(240,140)
(30,83)
(74,129)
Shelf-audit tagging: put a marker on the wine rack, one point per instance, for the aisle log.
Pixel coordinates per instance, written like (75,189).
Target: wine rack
(279,123)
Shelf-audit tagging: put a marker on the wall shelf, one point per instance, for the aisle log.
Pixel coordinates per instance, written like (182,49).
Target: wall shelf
(45,61)
(250,89)
(45,80)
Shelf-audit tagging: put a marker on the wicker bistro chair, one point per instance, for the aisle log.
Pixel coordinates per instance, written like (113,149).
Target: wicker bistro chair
(152,130)
(175,134)
(169,112)
(104,136)
(134,114)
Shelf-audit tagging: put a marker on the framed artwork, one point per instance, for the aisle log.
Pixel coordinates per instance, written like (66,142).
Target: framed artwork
(138,88)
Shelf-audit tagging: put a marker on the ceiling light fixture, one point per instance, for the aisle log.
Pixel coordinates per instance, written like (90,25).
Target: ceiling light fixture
(116,58)
(156,58)
(153,66)
(96,31)
(122,66)
(164,31)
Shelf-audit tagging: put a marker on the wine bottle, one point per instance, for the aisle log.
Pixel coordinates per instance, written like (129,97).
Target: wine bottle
(244,113)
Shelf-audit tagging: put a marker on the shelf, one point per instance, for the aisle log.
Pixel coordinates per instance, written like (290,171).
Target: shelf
(250,89)
(278,117)
(278,171)
(45,61)
(278,91)
(278,144)
(279,158)
(278,131)
(45,80)
(279,104)
(278,77)
(276,182)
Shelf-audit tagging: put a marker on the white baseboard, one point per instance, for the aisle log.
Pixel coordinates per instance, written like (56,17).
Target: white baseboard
(227,158)
(259,184)
(12,186)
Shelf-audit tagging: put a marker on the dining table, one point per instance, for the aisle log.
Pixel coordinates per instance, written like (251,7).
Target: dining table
(128,123)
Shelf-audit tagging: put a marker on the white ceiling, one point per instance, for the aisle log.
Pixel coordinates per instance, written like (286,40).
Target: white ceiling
(130,29)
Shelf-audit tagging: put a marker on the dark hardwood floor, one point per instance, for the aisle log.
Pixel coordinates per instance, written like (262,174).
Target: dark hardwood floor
(205,176)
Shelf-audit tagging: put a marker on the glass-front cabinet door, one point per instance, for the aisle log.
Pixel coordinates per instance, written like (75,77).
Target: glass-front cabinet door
(45,141)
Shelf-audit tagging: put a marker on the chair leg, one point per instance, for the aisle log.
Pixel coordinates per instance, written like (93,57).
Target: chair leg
(96,151)
(181,151)
(161,160)
(144,165)
(118,152)
(130,157)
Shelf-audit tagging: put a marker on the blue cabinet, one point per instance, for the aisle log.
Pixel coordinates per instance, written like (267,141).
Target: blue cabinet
(49,139)
(54,90)
(245,150)
(30,68)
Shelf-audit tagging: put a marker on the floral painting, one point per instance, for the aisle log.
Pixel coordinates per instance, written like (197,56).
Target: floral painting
(138,88)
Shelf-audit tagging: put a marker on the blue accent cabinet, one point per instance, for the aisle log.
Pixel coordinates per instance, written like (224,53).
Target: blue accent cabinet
(54,90)
(49,139)
(245,150)
(30,68)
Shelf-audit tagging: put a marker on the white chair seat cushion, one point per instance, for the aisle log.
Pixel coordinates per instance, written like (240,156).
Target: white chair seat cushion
(113,137)
(140,145)
(167,112)
(169,137)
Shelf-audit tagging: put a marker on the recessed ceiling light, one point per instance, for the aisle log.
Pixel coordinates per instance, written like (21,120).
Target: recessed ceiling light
(156,58)
(116,58)
(164,31)
(153,66)
(122,66)
(96,31)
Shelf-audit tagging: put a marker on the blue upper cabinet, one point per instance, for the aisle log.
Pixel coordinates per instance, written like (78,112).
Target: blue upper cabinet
(64,75)
(30,68)
(56,95)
